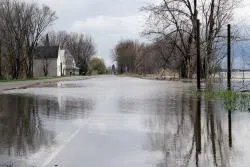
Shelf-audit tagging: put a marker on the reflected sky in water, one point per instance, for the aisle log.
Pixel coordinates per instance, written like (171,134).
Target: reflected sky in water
(115,121)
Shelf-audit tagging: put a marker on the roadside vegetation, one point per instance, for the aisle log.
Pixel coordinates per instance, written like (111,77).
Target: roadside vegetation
(232,100)
(97,66)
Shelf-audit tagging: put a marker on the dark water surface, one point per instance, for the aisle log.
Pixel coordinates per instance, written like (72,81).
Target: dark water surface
(119,122)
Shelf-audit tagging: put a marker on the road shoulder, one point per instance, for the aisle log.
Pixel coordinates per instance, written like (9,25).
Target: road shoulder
(31,83)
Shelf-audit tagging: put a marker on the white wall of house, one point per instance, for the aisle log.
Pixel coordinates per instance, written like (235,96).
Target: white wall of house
(38,66)
(61,61)
(66,60)
(63,65)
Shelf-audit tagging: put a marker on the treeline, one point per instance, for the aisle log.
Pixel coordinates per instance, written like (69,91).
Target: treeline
(172,26)
(23,27)
(135,57)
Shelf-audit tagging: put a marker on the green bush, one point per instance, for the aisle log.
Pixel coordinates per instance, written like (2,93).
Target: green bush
(97,66)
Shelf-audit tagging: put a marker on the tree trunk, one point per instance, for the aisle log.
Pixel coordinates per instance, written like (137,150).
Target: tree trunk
(208,59)
(186,69)
(15,68)
(17,61)
(18,67)
(30,66)
(183,69)
(190,69)
(1,76)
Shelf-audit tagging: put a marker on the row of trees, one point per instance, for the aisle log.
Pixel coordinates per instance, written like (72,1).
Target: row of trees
(135,57)
(24,27)
(172,25)
(21,27)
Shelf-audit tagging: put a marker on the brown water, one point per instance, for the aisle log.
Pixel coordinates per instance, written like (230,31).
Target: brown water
(113,121)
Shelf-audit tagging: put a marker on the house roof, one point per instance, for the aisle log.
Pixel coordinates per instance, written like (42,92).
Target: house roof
(47,52)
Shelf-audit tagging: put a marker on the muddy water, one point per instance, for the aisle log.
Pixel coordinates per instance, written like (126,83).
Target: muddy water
(113,121)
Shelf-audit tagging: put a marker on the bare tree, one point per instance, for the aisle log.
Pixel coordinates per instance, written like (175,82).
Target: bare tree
(23,25)
(82,48)
(135,57)
(148,60)
(169,55)
(14,18)
(40,20)
(175,20)
(126,55)
(59,38)
(45,57)
(215,14)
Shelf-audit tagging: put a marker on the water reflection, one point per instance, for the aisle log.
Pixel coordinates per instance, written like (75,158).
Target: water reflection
(21,128)
(63,107)
(191,132)
(24,124)
(230,128)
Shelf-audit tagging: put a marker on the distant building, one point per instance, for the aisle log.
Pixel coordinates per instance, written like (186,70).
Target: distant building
(53,61)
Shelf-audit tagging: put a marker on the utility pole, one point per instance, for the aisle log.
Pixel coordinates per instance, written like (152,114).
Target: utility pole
(195,10)
(198,74)
(229,57)
(198,55)
(198,116)
(229,83)
(196,23)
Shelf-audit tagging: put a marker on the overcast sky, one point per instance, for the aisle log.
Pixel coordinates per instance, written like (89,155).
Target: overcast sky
(107,21)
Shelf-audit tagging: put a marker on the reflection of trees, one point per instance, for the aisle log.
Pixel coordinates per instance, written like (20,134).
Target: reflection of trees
(63,107)
(22,120)
(190,132)
(21,129)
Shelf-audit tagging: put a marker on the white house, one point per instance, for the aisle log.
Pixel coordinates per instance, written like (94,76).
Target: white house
(66,64)
(53,61)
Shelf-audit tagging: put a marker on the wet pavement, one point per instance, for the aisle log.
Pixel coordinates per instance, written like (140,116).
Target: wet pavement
(119,122)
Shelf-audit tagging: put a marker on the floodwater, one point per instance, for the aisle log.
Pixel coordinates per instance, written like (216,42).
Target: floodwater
(119,122)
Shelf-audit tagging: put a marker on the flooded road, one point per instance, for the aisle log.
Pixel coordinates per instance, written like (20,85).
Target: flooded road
(119,122)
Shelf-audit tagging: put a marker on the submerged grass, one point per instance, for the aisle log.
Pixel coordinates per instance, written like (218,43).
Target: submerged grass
(232,100)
